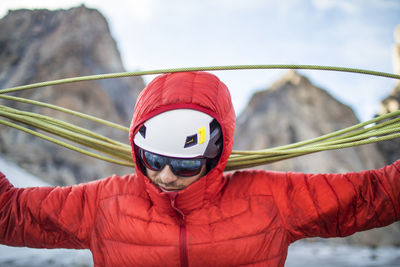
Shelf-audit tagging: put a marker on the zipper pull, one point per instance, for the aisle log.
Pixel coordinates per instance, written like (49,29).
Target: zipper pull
(172,197)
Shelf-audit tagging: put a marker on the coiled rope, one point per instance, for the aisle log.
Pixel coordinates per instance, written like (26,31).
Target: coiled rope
(379,129)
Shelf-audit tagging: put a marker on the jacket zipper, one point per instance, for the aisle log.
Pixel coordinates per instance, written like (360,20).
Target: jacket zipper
(183,245)
(182,235)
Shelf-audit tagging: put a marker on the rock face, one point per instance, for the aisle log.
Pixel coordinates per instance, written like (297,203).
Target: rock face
(44,45)
(391,149)
(294,110)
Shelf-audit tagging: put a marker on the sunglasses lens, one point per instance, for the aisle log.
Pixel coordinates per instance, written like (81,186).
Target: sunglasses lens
(186,167)
(180,167)
(153,161)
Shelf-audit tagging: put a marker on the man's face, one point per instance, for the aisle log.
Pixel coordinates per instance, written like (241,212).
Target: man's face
(168,181)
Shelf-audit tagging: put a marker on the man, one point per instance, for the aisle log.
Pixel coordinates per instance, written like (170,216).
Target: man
(179,209)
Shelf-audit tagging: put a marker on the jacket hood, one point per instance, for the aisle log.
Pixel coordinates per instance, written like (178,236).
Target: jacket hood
(200,91)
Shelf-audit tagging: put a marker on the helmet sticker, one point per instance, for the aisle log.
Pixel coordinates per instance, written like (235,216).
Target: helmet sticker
(202,133)
(142,131)
(191,141)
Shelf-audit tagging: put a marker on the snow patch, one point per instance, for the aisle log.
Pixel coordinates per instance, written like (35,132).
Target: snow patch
(19,177)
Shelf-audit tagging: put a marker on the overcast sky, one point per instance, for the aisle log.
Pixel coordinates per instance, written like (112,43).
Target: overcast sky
(154,34)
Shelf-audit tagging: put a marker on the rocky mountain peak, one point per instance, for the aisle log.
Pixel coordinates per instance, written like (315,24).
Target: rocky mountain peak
(292,110)
(292,77)
(43,45)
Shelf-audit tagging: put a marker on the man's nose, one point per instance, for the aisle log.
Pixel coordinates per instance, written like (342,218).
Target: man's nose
(167,176)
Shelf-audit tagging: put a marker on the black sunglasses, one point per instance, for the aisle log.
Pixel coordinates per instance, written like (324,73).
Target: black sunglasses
(179,166)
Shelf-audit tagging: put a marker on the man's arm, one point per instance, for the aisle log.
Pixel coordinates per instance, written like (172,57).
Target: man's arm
(50,217)
(336,205)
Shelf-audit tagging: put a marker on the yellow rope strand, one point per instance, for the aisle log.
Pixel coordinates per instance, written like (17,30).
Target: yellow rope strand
(65,110)
(66,145)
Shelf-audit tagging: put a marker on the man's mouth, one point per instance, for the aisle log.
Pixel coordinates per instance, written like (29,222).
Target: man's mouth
(166,188)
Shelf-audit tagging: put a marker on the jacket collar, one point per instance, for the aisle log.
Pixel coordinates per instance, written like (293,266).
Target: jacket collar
(189,199)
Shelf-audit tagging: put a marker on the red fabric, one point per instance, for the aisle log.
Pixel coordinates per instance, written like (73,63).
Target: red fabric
(246,218)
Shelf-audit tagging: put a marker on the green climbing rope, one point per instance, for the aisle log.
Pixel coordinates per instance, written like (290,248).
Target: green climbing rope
(382,128)
(210,68)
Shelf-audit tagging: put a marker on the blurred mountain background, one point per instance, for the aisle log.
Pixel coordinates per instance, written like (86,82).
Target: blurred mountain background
(42,45)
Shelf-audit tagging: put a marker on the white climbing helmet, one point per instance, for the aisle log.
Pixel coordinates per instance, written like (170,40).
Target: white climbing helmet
(180,133)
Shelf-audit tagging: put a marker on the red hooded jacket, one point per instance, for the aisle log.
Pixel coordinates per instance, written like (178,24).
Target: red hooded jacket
(246,218)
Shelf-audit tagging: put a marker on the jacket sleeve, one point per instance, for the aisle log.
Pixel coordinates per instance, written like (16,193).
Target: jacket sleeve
(337,205)
(47,217)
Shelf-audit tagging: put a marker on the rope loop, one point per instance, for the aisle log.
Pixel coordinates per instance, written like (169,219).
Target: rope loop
(384,127)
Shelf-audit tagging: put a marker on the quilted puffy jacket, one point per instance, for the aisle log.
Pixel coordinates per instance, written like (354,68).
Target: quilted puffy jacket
(246,218)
